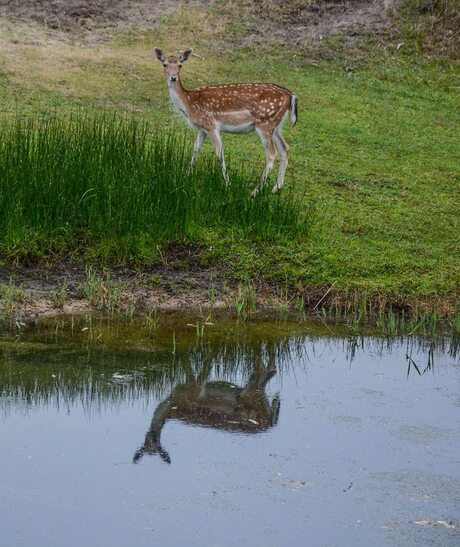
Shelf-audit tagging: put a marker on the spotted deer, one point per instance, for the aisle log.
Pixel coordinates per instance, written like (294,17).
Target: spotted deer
(216,404)
(234,108)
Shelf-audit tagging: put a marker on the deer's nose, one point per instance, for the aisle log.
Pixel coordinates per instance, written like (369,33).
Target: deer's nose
(173,78)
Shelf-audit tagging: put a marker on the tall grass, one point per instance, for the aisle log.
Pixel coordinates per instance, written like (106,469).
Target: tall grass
(117,188)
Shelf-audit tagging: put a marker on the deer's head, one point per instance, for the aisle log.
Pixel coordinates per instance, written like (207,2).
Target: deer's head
(172,64)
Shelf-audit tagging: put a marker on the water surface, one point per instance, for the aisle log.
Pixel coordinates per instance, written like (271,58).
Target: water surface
(271,434)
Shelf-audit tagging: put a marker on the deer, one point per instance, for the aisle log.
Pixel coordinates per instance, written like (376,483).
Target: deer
(217,404)
(233,108)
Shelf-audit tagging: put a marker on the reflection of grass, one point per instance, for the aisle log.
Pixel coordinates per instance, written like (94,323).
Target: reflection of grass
(96,363)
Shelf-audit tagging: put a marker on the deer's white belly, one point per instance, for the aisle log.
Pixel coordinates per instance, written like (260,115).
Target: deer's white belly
(240,128)
(238,121)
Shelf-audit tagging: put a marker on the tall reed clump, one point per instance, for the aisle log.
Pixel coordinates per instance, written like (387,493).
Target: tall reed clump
(117,188)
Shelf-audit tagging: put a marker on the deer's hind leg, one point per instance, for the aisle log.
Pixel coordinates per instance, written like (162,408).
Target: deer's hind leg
(283,149)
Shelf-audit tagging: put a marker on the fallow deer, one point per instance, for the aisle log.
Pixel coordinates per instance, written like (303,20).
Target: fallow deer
(234,108)
(220,405)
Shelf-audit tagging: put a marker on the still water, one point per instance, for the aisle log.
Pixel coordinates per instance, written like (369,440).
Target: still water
(264,434)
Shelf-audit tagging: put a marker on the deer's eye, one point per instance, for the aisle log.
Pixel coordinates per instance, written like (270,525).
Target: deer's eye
(180,66)
(165,65)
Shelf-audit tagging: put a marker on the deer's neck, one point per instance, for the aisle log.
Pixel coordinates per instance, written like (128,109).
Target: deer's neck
(179,97)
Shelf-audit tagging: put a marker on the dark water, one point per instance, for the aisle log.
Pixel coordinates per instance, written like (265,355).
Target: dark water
(269,434)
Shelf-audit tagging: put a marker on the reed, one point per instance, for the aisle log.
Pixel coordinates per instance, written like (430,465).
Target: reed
(364,317)
(116,188)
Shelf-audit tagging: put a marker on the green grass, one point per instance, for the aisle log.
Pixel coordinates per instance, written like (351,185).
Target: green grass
(115,189)
(373,165)
(10,298)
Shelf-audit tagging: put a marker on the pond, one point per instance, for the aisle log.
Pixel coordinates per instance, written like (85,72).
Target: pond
(269,433)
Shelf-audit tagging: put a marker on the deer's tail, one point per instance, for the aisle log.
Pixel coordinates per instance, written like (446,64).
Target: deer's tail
(293,110)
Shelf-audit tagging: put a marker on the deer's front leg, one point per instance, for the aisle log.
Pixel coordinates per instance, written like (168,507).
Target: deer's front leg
(217,142)
(267,139)
(201,137)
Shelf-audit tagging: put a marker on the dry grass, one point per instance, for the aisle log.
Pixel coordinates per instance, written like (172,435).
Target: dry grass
(432,25)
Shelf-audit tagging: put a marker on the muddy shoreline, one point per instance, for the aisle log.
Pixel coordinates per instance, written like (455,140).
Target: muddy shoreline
(40,292)
(34,292)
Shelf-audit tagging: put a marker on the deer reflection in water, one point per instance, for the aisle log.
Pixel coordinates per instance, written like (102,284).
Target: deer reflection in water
(217,404)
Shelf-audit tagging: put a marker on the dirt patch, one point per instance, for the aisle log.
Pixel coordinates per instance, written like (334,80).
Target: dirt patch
(293,22)
(311,22)
(326,25)
(179,283)
(69,15)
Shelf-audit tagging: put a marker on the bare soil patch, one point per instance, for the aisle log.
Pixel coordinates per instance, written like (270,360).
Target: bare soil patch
(327,25)
(281,21)
(311,22)
(69,15)
(177,284)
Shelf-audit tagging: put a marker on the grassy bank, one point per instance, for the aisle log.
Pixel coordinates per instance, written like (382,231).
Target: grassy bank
(373,166)
(112,189)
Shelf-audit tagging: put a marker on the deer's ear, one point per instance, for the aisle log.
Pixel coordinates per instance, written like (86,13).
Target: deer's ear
(160,55)
(185,55)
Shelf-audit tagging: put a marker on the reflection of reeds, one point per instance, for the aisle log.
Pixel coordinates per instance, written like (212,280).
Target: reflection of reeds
(63,376)
(111,363)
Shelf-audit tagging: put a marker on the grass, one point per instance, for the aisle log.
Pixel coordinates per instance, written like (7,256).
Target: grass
(115,189)
(10,298)
(101,291)
(374,155)
(432,25)
(245,303)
